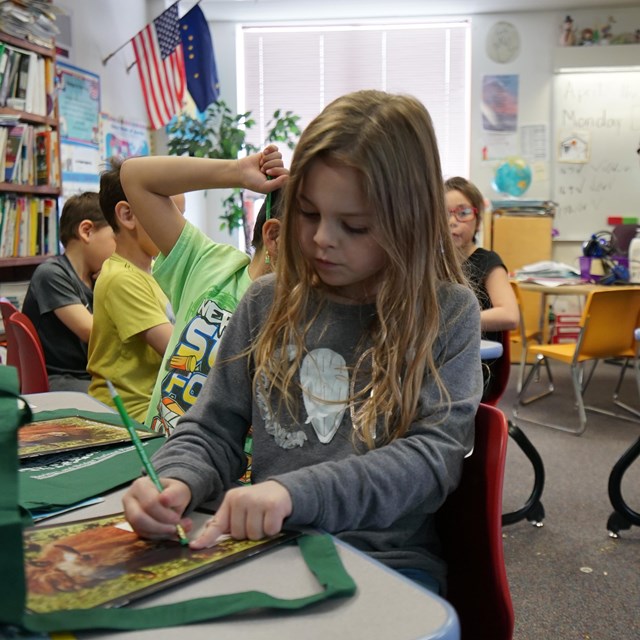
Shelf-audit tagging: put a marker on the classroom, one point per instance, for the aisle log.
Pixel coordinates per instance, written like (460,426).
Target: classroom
(521,90)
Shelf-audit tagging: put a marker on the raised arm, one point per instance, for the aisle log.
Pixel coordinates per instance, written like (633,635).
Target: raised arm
(150,181)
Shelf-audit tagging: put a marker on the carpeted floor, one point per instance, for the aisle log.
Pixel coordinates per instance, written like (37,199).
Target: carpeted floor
(569,580)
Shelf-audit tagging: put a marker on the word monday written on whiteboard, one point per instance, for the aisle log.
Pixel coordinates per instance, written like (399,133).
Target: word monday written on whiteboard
(596,139)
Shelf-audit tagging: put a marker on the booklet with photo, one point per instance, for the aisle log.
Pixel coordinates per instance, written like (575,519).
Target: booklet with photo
(101,562)
(61,434)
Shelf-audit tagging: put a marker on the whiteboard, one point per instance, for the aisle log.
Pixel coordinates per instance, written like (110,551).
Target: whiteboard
(596,166)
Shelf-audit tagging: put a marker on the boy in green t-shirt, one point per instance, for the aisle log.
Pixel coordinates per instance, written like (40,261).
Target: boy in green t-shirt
(203,279)
(132,316)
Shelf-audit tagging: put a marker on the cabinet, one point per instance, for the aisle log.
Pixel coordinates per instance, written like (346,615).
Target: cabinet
(520,240)
(29,157)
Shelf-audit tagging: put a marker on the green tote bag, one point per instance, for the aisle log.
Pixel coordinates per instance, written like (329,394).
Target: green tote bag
(318,551)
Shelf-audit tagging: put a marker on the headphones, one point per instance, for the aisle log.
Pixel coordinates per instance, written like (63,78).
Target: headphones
(599,245)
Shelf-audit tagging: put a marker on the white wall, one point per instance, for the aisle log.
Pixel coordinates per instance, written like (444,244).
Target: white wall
(99,27)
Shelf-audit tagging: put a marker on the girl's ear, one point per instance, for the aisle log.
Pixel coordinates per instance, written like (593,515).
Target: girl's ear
(270,235)
(124,216)
(85,229)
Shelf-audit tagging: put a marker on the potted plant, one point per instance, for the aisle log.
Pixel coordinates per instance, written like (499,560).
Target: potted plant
(220,133)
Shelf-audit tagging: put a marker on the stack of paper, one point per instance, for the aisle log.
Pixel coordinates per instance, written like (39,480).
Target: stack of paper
(549,273)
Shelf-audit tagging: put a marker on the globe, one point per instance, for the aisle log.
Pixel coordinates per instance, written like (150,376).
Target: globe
(512,177)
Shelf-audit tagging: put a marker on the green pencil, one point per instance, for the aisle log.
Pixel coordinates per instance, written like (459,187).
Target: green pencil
(137,443)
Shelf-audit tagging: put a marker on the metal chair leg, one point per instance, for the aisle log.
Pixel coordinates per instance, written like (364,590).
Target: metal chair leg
(535,374)
(624,516)
(532,510)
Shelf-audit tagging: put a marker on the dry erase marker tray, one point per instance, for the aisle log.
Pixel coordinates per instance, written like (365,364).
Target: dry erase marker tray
(101,562)
(58,435)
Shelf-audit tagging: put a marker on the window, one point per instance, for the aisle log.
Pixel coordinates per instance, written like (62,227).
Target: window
(303,68)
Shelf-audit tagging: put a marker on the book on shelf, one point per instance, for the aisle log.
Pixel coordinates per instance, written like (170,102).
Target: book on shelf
(28,226)
(13,153)
(25,84)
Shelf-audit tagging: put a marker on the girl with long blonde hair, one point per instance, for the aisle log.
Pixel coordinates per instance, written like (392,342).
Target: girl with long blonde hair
(357,363)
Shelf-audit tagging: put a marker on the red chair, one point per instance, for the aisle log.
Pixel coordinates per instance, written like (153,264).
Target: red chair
(31,365)
(7,309)
(470,527)
(500,369)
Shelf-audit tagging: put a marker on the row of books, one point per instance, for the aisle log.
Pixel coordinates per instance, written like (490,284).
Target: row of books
(27,80)
(29,155)
(28,226)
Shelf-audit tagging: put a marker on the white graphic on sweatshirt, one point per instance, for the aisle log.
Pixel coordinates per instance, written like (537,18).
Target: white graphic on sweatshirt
(325,389)
(285,439)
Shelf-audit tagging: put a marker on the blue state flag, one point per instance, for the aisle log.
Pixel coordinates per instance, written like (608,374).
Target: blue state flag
(199,59)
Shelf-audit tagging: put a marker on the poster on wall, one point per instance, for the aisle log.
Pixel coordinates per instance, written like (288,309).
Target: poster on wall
(123,139)
(499,106)
(79,109)
(79,104)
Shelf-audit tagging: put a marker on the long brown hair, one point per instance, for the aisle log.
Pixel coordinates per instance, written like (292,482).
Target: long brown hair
(389,139)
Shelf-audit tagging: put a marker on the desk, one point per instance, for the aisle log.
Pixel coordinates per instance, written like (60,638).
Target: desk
(563,289)
(490,350)
(53,400)
(386,605)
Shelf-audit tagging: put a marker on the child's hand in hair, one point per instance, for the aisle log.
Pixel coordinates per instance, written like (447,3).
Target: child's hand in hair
(248,513)
(255,169)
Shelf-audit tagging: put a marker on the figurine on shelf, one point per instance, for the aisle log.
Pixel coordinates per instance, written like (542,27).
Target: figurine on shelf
(605,33)
(586,37)
(568,35)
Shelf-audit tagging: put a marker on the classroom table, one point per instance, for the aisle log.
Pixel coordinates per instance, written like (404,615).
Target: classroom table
(490,349)
(386,604)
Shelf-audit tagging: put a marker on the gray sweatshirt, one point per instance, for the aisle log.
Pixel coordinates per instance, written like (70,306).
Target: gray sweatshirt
(381,501)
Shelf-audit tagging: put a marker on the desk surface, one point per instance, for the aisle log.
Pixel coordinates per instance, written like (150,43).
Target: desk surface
(53,400)
(563,289)
(386,605)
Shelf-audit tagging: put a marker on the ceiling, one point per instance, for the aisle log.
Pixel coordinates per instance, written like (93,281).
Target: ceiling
(308,9)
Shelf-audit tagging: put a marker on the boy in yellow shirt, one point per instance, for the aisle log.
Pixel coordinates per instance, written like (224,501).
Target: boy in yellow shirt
(132,316)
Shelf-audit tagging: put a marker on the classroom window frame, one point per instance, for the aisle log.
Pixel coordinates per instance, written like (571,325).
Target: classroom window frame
(302,67)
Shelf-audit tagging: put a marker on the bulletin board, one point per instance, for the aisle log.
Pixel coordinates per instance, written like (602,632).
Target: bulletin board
(596,165)
(79,108)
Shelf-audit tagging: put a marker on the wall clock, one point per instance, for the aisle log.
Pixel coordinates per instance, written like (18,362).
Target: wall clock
(503,42)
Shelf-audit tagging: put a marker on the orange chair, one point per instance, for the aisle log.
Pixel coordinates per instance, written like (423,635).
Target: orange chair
(470,527)
(524,336)
(7,309)
(606,331)
(31,365)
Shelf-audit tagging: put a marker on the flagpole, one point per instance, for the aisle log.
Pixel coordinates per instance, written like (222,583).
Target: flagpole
(123,45)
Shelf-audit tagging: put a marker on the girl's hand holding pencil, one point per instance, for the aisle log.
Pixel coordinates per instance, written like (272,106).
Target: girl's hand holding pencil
(155,515)
(173,514)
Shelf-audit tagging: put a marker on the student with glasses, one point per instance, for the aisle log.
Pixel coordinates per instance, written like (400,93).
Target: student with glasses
(484,269)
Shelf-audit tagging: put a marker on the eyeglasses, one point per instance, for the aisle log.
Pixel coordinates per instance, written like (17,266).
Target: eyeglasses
(463,214)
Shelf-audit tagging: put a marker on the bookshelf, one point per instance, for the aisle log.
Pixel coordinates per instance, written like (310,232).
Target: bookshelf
(30,180)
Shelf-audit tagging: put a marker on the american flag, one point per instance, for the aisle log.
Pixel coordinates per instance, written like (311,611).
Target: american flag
(158,50)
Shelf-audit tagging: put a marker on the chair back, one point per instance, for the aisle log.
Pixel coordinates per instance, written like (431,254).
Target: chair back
(31,365)
(7,308)
(621,237)
(500,370)
(608,322)
(470,527)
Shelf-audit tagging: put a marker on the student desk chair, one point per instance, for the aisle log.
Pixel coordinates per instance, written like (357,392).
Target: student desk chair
(532,509)
(608,320)
(470,528)
(623,516)
(31,365)
(7,309)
